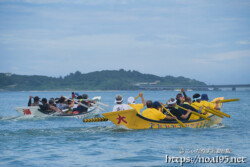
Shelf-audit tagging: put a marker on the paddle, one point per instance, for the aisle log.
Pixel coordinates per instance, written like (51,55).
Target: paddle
(105,105)
(182,124)
(76,102)
(138,96)
(219,112)
(227,100)
(195,113)
(210,111)
(94,105)
(98,107)
(101,119)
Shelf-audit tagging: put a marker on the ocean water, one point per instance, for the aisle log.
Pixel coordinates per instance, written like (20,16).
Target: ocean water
(56,141)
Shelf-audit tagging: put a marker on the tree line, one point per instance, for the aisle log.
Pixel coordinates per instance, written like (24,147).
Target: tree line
(98,80)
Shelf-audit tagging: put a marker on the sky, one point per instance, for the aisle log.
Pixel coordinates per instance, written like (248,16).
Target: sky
(204,40)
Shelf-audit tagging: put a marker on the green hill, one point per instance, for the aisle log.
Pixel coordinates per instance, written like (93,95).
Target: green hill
(99,80)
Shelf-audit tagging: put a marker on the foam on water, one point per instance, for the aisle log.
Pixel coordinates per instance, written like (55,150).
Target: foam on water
(218,126)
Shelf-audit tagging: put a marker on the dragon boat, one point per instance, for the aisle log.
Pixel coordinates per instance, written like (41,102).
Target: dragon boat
(132,120)
(36,111)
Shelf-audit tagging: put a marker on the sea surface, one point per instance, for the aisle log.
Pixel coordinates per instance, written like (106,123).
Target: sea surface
(56,141)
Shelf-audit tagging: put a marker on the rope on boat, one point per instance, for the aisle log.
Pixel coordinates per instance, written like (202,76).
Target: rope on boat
(102,119)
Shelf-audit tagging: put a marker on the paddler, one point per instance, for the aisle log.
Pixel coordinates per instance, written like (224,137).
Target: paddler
(197,105)
(178,112)
(119,106)
(204,101)
(78,108)
(158,106)
(155,114)
(36,101)
(53,108)
(187,105)
(179,97)
(45,105)
(63,106)
(137,107)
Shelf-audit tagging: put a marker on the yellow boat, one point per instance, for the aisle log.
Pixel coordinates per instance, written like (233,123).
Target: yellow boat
(132,120)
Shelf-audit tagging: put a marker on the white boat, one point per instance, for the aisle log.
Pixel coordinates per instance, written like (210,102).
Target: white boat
(36,111)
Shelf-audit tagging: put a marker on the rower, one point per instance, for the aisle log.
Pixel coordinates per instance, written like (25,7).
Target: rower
(119,106)
(53,108)
(81,106)
(36,101)
(187,105)
(137,107)
(155,114)
(197,105)
(62,106)
(179,97)
(204,101)
(178,112)
(45,105)
(86,103)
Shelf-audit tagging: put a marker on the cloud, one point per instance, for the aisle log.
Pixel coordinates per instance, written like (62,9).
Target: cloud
(164,37)
(86,2)
(233,56)
(243,42)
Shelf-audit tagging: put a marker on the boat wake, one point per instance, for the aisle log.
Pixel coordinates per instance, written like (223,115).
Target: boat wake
(20,118)
(103,127)
(217,126)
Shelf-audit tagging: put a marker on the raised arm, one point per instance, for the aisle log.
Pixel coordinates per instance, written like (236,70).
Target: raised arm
(184,94)
(29,103)
(142,99)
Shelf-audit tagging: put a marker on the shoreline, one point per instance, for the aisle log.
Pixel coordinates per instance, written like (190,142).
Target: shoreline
(239,89)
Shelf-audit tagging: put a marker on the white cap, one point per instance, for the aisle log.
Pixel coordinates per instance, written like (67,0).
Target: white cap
(131,100)
(171,102)
(118,99)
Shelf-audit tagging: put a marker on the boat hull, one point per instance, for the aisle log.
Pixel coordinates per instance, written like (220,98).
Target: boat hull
(35,111)
(132,120)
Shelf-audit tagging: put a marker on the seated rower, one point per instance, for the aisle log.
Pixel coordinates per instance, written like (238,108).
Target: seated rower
(62,106)
(137,107)
(179,97)
(197,105)
(53,108)
(155,114)
(158,106)
(36,101)
(87,103)
(45,105)
(207,104)
(187,105)
(47,108)
(119,106)
(56,100)
(81,108)
(179,113)
(52,100)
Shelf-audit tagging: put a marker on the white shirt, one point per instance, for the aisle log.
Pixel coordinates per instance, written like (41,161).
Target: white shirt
(120,107)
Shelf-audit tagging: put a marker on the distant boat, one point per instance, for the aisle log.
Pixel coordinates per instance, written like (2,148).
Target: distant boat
(36,111)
